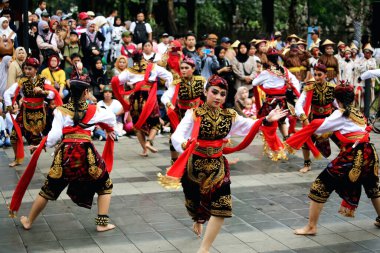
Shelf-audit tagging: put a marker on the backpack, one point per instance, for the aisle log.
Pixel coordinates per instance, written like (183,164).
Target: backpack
(47,53)
(93,45)
(140,34)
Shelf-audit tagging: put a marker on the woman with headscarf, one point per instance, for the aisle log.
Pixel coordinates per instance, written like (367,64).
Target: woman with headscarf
(7,36)
(98,78)
(120,65)
(244,67)
(56,75)
(117,32)
(49,43)
(15,68)
(4,65)
(91,44)
(148,52)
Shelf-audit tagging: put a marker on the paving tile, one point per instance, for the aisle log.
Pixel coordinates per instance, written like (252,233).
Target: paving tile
(267,246)
(44,247)
(12,247)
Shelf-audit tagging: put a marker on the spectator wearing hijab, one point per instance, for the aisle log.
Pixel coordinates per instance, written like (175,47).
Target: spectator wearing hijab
(4,66)
(15,68)
(98,78)
(33,32)
(49,43)
(244,67)
(56,75)
(91,44)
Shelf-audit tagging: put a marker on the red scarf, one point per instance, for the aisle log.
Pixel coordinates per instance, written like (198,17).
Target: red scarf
(176,171)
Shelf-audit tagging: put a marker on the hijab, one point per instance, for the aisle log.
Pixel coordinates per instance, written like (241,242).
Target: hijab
(16,53)
(45,36)
(4,65)
(92,35)
(6,31)
(243,57)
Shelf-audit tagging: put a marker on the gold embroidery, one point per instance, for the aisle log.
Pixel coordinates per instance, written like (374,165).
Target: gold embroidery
(222,202)
(93,169)
(56,169)
(356,167)
(321,195)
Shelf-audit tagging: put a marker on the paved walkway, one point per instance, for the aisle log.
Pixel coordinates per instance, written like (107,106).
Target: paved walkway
(269,201)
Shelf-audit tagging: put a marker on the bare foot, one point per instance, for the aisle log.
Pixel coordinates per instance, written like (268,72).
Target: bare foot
(307,230)
(197,229)
(144,154)
(377,224)
(150,147)
(105,228)
(25,222)
(14,164)
(305,169)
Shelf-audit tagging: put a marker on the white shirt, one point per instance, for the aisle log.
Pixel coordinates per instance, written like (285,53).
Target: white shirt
(336,122)
(270,81)
(240,126)
(147,26)
(347,70)
(162,48)
(156,72)
(370,74)
(115,106)
(63,120)
(156,57)
(10,93)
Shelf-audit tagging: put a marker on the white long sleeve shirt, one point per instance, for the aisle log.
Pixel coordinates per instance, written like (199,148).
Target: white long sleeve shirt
(240,126)
(370,74)
(10,93)
(301,103)
(63,120)
(336,122)
(270,81)
(157,72)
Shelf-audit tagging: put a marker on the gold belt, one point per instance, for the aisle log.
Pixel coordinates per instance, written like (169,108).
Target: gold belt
(209,151)
(295,69)
(78,136)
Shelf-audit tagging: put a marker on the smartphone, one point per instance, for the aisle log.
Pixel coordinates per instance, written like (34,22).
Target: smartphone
(206,51)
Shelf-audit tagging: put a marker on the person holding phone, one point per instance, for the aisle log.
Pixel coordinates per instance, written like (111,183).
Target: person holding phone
(209,61)
(225,71)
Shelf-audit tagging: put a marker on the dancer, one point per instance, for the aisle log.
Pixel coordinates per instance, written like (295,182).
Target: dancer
(316,102)
(185,93)
(202,168)
(31,120)
(142,103)
(274,81)
(76,163)
(355,166)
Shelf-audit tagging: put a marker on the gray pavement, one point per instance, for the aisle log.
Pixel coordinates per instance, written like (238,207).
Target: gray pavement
(269,201)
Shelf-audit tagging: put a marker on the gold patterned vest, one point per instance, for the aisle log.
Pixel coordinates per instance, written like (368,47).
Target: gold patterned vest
(215,124)
(34,114)
(323,97)
(191,89)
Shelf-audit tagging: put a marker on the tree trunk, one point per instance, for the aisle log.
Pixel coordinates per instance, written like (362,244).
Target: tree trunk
(375,28)
(149,7)
(191,14)
(268,16)
(171,17)
(292,22)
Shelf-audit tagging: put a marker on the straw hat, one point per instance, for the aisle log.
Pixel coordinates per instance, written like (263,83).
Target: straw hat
(292,36)
(368,47)
(328,42)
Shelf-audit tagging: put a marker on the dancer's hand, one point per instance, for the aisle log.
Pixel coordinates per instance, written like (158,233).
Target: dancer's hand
(32,148)
(276,114)
(111,135)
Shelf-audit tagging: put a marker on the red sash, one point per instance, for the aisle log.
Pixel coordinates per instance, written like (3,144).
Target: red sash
(176,171)
(173,117)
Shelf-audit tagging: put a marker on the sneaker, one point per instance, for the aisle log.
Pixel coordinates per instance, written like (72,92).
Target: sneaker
(166,129)
(101,138)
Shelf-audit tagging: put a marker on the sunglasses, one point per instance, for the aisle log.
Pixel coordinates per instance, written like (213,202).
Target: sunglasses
(216,92)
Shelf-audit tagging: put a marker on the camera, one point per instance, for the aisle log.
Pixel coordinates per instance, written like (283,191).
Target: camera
(206,51)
